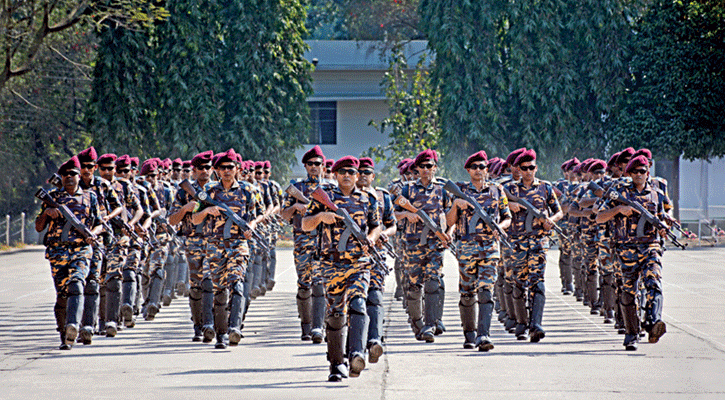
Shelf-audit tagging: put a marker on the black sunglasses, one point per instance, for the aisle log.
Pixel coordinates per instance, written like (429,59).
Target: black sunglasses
(477,166)
(225,167)
(106,168)
(152,175)
(68,173)
(258,172)
(87,166)
(426,166)
(347,171)
(124,171)
(639,171)
(367,172)
(187,170)
(313,163)
(527,167)
(204,167)
(177,169)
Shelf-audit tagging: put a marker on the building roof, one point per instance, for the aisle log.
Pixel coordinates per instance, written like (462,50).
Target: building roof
(352,55)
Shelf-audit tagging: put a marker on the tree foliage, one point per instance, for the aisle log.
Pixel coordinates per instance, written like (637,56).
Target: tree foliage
(543,74)
(676,96)
(413,122)
(387,20)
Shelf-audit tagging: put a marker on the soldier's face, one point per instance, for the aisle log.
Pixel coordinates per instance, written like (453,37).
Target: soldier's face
(203,172)
(87,170)
(527,169)
(365,177)
(227,171)
(70,179)
(266,174)
(123,172)
(478,171)
(151,178)
(427,169)
(106,171)
(639,175)
(314,166)
(185,173)
(515,173)
(346,178)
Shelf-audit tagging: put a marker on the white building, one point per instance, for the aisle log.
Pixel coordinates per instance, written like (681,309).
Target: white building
(348,95)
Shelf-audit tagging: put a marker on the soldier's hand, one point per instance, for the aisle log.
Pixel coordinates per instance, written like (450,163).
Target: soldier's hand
(248,234)
(412,218)
(52,213)
(91,239)
(515,207)
(189,207)
(662,232)
(215,211)
(383,238)
(626,210)
(299,208)
(329,218)
(548,224)
(461,204)
(252,226)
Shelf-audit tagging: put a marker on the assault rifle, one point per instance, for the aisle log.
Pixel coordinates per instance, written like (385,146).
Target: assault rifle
(67,214)
(479,213)
(352,229)
(645,216)
(533,212)
(294,192)
(430,225)
(203,197)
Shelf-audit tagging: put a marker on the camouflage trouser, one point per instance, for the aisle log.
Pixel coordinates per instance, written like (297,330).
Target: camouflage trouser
(227,262)
(477,263)
(508,266)
(641,261)
(133,259)
(424,263)
(529,260)
(377,276)
(565,262)
(590,255)
(607,256)
(157,258)
(68,264)
(577,259)
(94,269)
(308,268)
(195,254)
(115,261)
(345,279)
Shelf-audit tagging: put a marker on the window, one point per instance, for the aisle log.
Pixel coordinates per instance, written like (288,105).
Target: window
(323,118)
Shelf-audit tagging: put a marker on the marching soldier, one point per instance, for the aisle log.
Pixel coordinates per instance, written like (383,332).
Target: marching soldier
(639,255)
(276,191)
(310,286)
(68,247)
(345,265)
(399,267)
(530,243)
(375,309)
(424,247)
(479,253)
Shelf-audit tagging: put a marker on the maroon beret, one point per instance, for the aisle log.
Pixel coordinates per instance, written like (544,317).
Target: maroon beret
(123,161)
(149,166)
(228,156)
(574,164)
(267,164)
(202,158)
(186,164)
(366,162)
(565,165)
(494,160)
(135,162)
(88,155)
(625,155)
(612,160)
(643,152)
(329,162)
(477,156)
(639,161)
(313,153)
(346,162)
(404,168)
(71,165)
(526,156)
(403,162)
(258,164)
(512,156)
(177,162)
(426,155)
(596,165)
(107,158)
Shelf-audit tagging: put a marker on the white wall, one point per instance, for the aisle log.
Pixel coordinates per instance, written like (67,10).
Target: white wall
(702,189)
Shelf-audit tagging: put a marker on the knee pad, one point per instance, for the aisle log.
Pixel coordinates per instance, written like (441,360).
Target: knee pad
(432,285)
(195,293)
(518,292)
(318,290)
(375,298)
(129,275)
(415,293)
(653,286)
(628,299)
(539,288)
(238,288)
(207,285)
(91,288)
(114,285)
(485,296)
(357,306)
(221,298)
(74,288)
(160,273)
(336,321)
(468,300)
(304,293)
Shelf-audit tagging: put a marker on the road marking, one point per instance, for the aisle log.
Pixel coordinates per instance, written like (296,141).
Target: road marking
(31,293)
(585,316)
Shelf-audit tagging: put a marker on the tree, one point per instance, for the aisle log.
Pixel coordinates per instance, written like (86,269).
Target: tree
(387,20)
(413,122)
(540,74)
(676,95)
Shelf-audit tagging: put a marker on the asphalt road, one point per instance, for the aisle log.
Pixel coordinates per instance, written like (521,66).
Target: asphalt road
(580,357)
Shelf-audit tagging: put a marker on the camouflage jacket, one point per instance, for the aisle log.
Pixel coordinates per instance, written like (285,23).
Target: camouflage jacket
(84,205)
(433,200)
(625,228)
(181,199)
(493,200)
(239,199)
(541,195)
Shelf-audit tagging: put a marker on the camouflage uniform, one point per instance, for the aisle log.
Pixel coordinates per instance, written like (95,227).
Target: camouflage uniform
(577,247)
(425,258)
(346,272)
(589,234)
(260,257)
(529,255)
(310,285)
(565,252)
(107,201)
(227,259)
(478,261)
(155,271)
(608,262)
(401,286)
(195,244)
(505,283)
(69,256)
(277,196)
(639,256)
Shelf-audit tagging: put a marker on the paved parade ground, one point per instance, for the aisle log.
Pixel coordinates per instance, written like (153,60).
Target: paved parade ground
(580,358)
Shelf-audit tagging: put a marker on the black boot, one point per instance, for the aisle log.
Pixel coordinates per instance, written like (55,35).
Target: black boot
(304,309)
(593,293)
(485,310)
(221,315)
(129,298)
(336,337)
(155,288)
(74,310)
(415,310)
(195,295)
(468,320)
(439,327)
(357,336)
(319,305)
(654,314)
(631,322)
(375,312)
(235,314)
(61,304)
(207,312)
(522,315)
(89,319)
(536,331)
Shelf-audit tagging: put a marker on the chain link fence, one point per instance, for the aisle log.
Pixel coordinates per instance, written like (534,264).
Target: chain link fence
(16,229)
